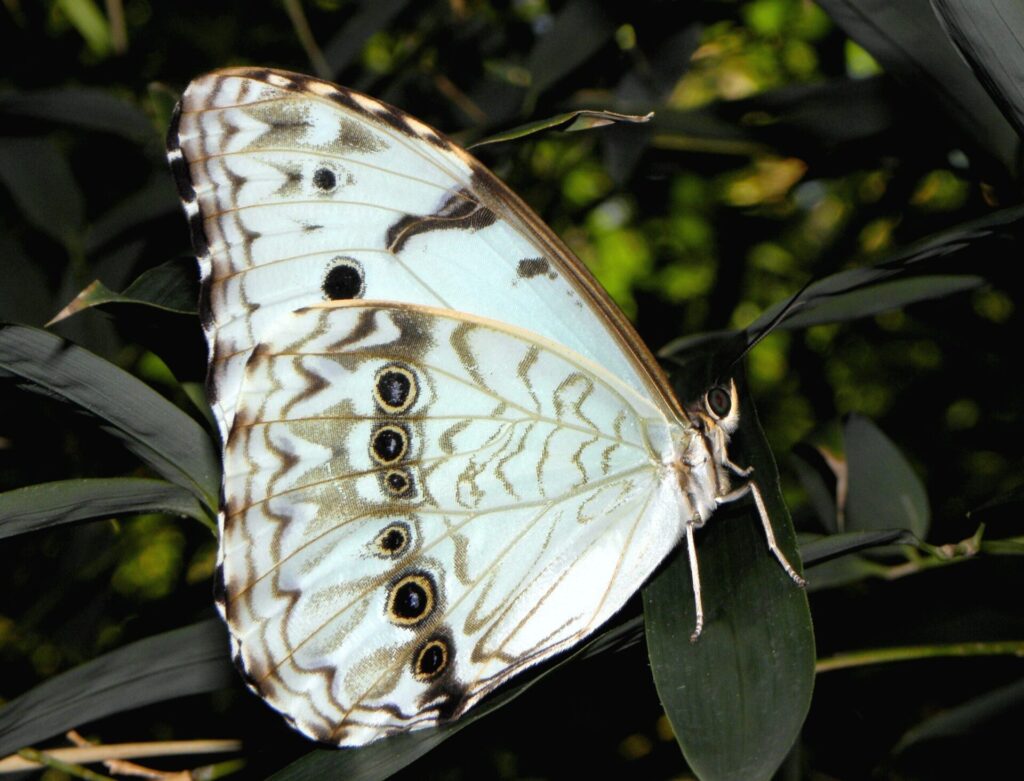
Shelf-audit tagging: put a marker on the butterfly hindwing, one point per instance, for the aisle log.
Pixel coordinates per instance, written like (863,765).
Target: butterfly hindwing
(420,504)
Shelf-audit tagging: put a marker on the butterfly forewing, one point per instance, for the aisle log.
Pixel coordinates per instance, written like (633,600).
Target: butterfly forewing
(301,191)
(421,503)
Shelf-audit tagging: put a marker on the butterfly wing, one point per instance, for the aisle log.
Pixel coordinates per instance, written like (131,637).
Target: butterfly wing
(299,191)
(420,504)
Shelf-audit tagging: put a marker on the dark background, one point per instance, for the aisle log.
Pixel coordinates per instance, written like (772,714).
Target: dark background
(781,151)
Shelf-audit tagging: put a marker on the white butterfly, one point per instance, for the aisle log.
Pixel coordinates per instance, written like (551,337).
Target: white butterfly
(447,455)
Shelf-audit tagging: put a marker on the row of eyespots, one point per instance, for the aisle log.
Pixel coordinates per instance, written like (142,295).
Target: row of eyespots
(412,598)
(395,390)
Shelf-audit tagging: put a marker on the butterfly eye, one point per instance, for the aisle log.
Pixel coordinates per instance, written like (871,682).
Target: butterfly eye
(344,280)
(719,402)
(432,659)
(411,599)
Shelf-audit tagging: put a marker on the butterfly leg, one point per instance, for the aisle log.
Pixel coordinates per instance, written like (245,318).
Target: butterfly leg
(698,604)
(752,489)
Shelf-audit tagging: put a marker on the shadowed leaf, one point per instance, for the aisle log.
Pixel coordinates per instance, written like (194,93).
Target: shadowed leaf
(46,505)
(185,661)
(155,430)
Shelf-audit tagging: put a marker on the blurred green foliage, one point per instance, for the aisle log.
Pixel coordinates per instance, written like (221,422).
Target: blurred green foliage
(781,151)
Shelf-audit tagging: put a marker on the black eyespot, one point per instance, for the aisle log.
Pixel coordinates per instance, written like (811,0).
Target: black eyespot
(394,540)
(411,599)
(388,444)
(398,482)
(395,388)
(432,659)
(324,179)
(344,280)
(719,401)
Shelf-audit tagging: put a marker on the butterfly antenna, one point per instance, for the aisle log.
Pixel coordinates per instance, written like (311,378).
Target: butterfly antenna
(791,305)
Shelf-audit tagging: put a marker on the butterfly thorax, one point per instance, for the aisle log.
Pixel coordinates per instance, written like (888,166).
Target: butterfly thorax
(701,462)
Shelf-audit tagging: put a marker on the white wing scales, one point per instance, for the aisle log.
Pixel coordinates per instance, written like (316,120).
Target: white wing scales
(291,177)
(504,543)
(463,466)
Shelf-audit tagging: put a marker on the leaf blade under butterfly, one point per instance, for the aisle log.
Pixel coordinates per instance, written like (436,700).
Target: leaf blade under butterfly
(738,696)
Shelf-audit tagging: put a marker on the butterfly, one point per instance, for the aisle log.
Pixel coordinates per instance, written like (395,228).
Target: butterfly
(447,454)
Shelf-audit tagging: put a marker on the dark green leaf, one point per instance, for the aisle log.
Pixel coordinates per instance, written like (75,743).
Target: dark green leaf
(155,430)
(884,492)
(990,36)
(81,107)
(970,717)
(171,286)
(579,31)
(185,661)
(570,121)
(52,504)
(41,184)
(818,550)
(156,199)
(831,564)
(738,696)
(880,297)
(348,42)
(907,40)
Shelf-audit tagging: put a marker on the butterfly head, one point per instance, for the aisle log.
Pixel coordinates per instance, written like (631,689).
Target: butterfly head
(718,410)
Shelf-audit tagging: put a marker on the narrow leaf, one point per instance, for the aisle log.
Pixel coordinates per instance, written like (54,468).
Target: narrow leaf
(81,107)
(909,43)
(970,717)
(185,661)
(170,287)
(990,36)
(155,430)
(47,505)
(570,121)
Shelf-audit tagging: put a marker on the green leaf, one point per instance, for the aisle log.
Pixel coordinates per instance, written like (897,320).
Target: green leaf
(738,696)
(41,184)
(171,287)
(990,36)
(577,33)
(993,235)
(80,107)
(47,505)
(817,550)
(159,433)
(87,18)
(884,491)
(970,717)
(907,40)
(185,661)
(570,121)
